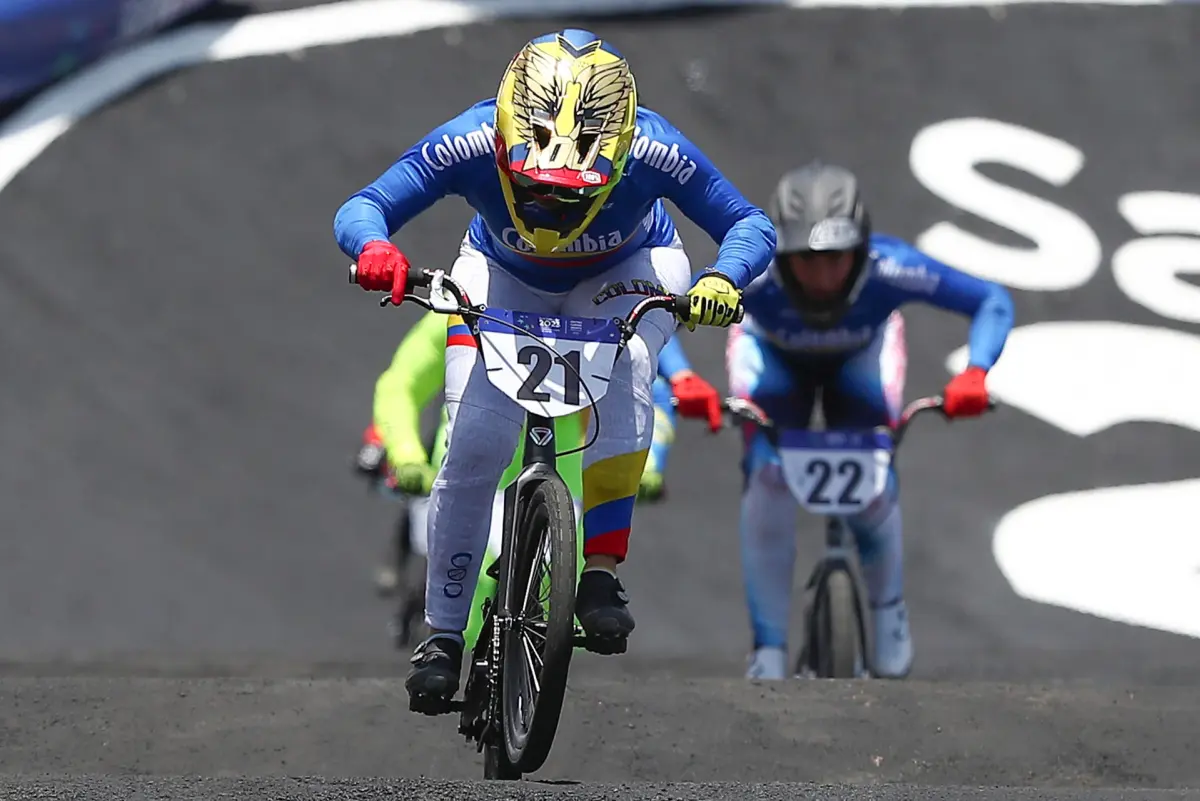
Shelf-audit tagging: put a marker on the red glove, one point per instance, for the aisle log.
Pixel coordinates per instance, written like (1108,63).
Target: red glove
(966,395)
(697,398)
(381,266)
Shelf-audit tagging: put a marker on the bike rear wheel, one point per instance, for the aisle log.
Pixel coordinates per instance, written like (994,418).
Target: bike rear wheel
(537,647)
(838,628)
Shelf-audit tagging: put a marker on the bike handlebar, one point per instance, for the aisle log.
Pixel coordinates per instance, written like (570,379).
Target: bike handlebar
(750,412)
(678,305)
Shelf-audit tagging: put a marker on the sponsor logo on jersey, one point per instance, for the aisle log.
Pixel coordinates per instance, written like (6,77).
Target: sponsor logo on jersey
(586,243)
(660,157)
(915,279)
(832,341)
(449,151)
(637,286)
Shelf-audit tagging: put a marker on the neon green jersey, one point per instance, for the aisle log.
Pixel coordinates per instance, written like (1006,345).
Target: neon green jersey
(415,377)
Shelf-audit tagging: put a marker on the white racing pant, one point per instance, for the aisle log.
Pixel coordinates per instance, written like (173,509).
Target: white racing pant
(418,531)
(485,425)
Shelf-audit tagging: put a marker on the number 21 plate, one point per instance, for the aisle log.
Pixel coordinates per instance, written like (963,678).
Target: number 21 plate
(541,380)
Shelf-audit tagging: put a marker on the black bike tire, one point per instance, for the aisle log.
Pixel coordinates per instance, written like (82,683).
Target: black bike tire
(838,628)
(549,504)
(496,764)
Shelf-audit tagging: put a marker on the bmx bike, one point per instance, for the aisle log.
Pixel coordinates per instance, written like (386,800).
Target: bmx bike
(401,574)
(513,696)
(836,473)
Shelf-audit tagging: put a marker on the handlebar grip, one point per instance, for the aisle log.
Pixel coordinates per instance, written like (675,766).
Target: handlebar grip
(739,313)
(353,273)
(419,278)
(683,306)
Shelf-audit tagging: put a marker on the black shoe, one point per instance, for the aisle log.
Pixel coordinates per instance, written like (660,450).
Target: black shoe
(433,680)
(602,608)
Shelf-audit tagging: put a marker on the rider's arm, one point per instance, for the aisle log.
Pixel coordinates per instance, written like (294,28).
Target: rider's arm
(408,385)
(425,173)
(743,231)
(672,361)
(664,428)
(988,304)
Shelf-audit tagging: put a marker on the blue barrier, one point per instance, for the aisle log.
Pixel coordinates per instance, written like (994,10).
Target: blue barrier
(43,40)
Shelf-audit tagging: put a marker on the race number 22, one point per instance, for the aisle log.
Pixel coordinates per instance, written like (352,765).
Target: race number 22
(823,470)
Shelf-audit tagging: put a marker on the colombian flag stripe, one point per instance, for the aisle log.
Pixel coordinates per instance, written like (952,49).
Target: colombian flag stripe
(609,490)
(612,479)
(457,333)
(614,543)
(612,516)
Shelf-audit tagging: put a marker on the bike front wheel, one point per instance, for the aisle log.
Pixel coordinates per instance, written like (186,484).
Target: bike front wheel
(537,647)
(838,628)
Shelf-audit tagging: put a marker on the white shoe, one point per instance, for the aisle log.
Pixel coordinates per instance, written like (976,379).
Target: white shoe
(893,645)
(768,663)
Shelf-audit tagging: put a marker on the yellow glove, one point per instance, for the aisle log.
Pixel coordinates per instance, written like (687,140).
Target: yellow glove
(715,301)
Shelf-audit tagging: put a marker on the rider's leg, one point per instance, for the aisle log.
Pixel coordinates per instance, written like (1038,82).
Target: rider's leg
(612,466)
(767,520)
(869,391)
(487,585)
(483,429)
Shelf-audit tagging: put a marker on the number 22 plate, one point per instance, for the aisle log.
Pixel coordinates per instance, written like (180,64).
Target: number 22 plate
(835,472)
(538,379)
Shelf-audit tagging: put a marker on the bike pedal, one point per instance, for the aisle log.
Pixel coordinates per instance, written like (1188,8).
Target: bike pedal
(430,705)
(604,646)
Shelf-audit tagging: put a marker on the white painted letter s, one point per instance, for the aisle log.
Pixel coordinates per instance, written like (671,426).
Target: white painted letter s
(943,158)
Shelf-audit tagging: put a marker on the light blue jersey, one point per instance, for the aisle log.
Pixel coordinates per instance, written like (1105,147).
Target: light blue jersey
(897,274)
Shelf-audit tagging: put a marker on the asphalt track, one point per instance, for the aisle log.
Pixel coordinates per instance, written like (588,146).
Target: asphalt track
(187,374)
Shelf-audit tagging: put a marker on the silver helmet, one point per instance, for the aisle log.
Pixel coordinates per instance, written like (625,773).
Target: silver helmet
(815,208)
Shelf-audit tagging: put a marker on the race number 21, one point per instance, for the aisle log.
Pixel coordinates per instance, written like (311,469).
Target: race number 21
(539,360)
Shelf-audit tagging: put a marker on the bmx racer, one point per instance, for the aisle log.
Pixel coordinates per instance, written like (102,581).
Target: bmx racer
(825,315)
(394,450)
(567,175)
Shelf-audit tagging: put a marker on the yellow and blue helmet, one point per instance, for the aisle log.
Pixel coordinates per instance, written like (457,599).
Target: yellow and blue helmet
(565,118)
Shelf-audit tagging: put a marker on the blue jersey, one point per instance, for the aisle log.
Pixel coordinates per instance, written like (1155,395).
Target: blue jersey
(459,158)
(897,274)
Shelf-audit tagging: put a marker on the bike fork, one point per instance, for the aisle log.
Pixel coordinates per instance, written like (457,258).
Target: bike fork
(841,554)
(481,718)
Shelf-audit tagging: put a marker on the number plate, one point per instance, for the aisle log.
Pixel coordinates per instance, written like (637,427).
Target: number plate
(540,380)
(835,472)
